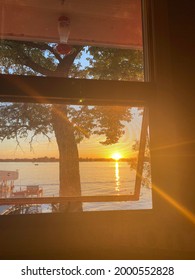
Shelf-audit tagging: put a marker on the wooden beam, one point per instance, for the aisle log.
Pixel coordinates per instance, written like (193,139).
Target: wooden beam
(115,23)
(73,91)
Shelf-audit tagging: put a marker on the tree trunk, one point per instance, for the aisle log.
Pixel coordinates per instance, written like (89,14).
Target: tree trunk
(68,158)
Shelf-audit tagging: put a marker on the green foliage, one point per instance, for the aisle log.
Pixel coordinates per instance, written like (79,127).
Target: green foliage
(146,175)
(18,120)
(115,64)
(36,58)
(110,122)
(33,58)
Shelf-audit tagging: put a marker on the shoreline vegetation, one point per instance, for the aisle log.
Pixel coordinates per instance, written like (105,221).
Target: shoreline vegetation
(53,159)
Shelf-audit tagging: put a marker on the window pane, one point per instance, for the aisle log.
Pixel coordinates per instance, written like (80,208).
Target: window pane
(90,40)
(90,152)
(25,58)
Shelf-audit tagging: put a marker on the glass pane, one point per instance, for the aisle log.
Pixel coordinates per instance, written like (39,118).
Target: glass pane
(87,62)
(70,150)
(88,40)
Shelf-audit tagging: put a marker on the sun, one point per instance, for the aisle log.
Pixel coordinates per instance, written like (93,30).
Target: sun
(116,156)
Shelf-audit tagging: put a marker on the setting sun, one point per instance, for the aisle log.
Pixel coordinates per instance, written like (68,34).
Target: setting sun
(116,156)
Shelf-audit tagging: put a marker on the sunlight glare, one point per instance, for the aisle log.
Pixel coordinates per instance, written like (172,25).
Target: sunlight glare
(116,156)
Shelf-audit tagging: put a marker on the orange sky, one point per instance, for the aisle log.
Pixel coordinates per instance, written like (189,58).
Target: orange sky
(88,148)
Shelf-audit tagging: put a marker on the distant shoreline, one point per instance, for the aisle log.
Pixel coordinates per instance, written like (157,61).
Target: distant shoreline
(37,160)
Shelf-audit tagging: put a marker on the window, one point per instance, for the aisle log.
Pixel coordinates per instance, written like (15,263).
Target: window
(96,101)
(46,42)
(52,151)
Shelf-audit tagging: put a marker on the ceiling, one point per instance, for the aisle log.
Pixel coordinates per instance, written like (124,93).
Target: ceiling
(114,23)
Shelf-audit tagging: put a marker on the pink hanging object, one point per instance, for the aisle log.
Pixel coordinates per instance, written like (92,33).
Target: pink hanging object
(64,32)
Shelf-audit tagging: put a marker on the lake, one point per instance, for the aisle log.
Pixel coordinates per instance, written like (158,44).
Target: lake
(97,178)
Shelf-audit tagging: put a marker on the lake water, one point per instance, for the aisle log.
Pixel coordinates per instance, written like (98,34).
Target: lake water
(97,178)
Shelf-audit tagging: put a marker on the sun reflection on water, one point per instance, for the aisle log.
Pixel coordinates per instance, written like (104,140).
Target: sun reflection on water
(117,177)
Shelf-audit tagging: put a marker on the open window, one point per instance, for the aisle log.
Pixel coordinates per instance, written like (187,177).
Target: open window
(85,91)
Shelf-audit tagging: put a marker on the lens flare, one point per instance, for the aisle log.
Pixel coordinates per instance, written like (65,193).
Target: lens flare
(116,156)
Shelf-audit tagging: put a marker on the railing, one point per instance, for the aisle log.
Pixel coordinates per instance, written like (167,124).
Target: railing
(63,199)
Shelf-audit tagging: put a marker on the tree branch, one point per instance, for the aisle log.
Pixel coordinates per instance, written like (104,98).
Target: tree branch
(64,66)
(44,47)
(36,67)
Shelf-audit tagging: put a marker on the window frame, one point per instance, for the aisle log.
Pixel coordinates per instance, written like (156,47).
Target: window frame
(72,91)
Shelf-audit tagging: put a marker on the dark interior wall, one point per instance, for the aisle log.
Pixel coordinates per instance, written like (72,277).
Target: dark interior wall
(182,51)
(172,121)
(173,108)
(172,112)
(161,233)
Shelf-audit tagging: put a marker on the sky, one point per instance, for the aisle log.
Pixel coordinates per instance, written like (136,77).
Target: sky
(90,148)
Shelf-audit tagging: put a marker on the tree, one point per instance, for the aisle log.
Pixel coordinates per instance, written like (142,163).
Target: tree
(133,162)
(70,124)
